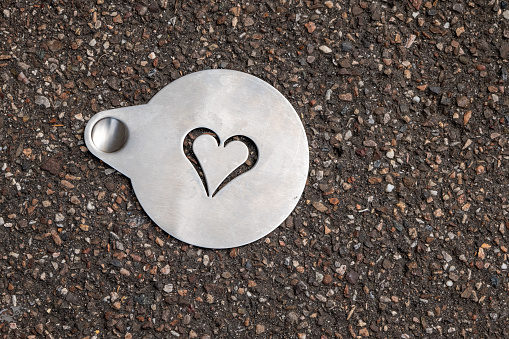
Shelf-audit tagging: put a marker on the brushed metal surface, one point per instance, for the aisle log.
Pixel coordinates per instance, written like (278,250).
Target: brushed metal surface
(170,189)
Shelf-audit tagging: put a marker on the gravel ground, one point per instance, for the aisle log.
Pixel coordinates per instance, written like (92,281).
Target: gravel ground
(402,230)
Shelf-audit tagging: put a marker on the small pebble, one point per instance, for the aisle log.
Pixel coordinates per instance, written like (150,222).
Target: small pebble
(42,101)
(352,277)
(458,7)
(348,135)
(260,329)
(435,89)
(463,101)
(328,94)
(346,46)
(325,49)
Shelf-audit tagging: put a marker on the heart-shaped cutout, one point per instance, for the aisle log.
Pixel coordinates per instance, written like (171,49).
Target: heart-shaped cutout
(217,161)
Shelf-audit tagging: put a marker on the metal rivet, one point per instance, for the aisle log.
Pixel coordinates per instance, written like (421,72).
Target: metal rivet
(109,135)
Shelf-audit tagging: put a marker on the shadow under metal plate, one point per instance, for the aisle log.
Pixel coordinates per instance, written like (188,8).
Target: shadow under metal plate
(146,144)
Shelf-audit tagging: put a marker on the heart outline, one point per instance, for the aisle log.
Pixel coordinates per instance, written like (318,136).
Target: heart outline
(244,167)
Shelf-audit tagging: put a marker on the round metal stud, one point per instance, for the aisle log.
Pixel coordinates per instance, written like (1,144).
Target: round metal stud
(109,135)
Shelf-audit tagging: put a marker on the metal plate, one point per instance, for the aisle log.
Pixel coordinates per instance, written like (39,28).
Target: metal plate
(146,144)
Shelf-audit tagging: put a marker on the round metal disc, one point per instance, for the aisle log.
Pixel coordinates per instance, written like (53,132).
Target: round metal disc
(187,196)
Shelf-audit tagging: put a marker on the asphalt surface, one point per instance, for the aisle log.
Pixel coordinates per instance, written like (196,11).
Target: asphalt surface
(401,231)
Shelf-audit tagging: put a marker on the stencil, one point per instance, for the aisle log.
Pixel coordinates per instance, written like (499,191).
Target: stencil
(229,185)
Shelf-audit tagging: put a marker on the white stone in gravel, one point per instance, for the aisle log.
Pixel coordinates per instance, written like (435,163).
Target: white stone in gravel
(321,298)
(446,256)
(506,14)
(416,100)
(319,175)
(59,217)
(341,270)
(348,135)
(389,188)
(325,49)
(90,206)
(93,42)
(328,94)
(2,222)
(168,288)
(152,56)
(42,101)
(504,266)
(390,154)
(449,283)
(166,270)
